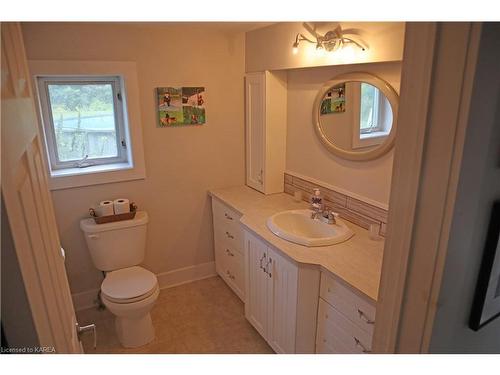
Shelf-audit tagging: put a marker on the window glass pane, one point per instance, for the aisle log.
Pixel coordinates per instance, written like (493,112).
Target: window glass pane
(368,116)
(84,120)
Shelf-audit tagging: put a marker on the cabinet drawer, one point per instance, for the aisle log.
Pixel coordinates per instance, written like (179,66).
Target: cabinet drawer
(228,236)
(338,334)
(232,269)
(359,310)
(224,214)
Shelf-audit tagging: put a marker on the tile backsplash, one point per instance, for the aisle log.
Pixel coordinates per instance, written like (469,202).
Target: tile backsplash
(349,208)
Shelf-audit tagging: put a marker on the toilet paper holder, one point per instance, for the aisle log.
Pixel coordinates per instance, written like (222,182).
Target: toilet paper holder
(112,218)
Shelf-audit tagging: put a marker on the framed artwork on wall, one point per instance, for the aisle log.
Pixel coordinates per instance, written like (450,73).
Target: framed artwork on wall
(486,305)
(334,100)
(179,106)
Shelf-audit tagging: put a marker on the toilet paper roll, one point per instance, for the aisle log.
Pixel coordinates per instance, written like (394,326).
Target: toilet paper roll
(122,206)
(105,208)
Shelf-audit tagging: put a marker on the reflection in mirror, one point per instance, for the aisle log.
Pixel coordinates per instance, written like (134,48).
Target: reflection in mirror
(355,116)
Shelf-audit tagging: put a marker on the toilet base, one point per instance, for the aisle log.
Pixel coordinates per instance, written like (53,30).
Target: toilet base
(133,332)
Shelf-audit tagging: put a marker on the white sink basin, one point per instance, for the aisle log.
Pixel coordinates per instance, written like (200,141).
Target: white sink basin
(298,227)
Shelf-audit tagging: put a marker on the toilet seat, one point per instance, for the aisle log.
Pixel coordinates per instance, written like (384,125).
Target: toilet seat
(129,285)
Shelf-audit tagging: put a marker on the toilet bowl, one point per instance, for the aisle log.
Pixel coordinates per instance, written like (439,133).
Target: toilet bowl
(130,294)
(129,291)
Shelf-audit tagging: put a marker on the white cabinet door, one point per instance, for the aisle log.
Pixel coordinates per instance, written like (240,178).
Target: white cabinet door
(257,286)
(283,275)
(255,97)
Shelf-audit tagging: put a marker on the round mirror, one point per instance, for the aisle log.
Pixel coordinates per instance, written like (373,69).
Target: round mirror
(355,116)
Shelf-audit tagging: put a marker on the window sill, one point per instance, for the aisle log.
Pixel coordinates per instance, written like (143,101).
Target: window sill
(373,135)
(94,175)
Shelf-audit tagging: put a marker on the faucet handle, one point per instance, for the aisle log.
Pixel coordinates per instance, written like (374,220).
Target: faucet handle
(331,215)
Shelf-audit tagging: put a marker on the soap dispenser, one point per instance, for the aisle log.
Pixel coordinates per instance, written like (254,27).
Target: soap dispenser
(317,200)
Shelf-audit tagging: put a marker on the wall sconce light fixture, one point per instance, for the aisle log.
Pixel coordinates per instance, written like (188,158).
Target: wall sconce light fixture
(332,41)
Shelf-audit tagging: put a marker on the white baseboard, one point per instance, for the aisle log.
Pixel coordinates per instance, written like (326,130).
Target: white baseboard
(87,299)
(186,275)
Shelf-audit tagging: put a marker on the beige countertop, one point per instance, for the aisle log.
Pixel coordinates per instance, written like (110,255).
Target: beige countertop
(357,261)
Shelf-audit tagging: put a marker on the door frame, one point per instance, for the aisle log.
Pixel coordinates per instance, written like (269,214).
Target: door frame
(436,86)
(28,203)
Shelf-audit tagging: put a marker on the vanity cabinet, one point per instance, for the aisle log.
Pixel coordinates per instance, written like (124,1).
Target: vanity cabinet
(345,319)
(280,302)
(228,243)
(265,116)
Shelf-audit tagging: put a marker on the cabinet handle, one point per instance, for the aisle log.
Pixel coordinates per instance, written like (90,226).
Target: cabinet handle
(260,177)
(229,235)
(227,216)
(269,262)
(358,343)
(260,262)
(229,275)
(363,316)
(228,252)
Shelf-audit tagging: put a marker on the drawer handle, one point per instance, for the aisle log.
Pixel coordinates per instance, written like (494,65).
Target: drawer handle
(266,270)
(358,343)
(228,252)
(363,316)
(260,262)
(229,275)
(228,216)
(229,235)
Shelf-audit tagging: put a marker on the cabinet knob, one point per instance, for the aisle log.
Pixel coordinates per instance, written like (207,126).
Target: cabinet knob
(229,217)
(229,235)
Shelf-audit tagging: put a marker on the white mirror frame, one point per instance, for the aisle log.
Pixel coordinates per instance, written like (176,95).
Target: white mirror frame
(386,89)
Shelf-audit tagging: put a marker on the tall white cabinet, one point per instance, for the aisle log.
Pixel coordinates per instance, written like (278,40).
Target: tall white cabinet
(279,301)
(265,108)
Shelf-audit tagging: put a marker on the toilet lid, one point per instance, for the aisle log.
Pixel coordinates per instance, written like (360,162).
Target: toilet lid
(128,283)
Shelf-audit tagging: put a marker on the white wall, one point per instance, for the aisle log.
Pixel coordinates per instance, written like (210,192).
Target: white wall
(307,156)
(181,163)
(270,48)
(479,186)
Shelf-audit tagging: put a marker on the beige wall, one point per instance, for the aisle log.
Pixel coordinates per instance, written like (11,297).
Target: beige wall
(270,48)
(181,163)
(307,156)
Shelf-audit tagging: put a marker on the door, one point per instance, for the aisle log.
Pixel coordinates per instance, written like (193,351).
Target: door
(283,275)
(29,205)
(256,304)
(255,107)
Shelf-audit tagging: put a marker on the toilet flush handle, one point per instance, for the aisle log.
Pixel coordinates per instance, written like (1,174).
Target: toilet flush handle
(93,236)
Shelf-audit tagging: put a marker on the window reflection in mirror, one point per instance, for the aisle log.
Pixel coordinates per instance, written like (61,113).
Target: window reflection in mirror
(364,120)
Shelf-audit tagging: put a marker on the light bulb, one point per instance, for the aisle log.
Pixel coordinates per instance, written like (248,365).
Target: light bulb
(295,50)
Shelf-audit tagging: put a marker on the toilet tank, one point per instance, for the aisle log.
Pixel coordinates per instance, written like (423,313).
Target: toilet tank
(116,245)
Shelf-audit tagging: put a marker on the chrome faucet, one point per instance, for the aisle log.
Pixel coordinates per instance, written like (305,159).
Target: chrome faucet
(323,214)
(328,216)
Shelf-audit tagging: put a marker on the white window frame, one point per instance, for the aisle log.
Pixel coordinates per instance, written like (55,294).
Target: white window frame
(48,121)
(375,114)
(134,168)
(367,137)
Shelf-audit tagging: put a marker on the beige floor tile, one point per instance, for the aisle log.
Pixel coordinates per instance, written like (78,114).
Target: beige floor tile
(204,316)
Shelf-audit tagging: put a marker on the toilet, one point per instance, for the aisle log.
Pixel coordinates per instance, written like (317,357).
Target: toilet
(129,291)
